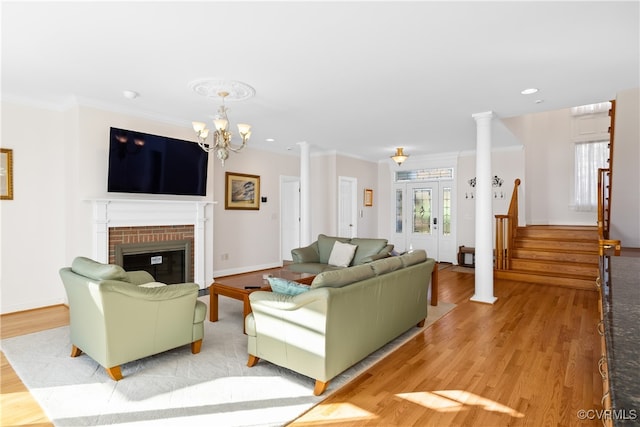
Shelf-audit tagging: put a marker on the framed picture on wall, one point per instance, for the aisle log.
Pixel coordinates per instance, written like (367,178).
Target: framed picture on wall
(6,174)
(368,197)
(242,191)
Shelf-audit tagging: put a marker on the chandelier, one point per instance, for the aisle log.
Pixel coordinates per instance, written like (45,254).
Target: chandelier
(399,157)
(222,137)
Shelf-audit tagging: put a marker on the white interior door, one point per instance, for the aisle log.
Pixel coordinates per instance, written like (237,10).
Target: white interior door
(347,207)
(289,215)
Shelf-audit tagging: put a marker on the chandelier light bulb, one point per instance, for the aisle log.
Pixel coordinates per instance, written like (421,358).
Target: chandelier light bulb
(198,126)
(221,124)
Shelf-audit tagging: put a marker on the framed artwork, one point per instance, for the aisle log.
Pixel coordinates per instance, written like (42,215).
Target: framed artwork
(368,197)
(242,191)
(6,174)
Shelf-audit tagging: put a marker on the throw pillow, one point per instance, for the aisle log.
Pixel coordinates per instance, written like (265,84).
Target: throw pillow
(342,254)
(287,287)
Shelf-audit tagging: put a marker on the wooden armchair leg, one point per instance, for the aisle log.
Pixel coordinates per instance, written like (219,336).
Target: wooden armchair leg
(320,387)
(115,373)
(75,351)
(253,360)
(196,346)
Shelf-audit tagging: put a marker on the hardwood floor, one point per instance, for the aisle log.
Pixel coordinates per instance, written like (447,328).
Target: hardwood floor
(529,359)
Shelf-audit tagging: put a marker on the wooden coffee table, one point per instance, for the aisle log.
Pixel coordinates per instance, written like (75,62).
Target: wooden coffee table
(239,287)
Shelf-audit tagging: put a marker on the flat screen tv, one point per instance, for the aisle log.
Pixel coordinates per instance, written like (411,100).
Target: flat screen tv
(151,164)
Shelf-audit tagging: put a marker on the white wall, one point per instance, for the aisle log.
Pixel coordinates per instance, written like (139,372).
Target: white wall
(549,145)
(367,174)
(60,162)
(325,168)
(250,238)
(507,164)
(33,223)
(625,210)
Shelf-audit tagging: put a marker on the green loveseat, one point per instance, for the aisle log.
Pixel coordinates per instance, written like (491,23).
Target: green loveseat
(314,258)
(117,316)
(346,315)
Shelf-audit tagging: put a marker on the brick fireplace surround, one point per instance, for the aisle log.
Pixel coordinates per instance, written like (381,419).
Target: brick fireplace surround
(141,221)
(150,234)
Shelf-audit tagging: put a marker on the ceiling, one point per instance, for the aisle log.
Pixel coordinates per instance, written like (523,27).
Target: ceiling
(359,78)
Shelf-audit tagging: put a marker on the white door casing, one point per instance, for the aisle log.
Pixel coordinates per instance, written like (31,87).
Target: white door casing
(347,207)
(289,215)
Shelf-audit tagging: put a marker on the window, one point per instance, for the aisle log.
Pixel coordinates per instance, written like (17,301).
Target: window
(589,157)
(422,210)
(446,211)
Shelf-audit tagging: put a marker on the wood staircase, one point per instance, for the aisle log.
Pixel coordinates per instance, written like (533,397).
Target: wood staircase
(557,255)
(554,255)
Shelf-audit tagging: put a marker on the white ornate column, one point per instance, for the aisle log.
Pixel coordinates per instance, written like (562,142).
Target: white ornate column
(305,194)
(484,220)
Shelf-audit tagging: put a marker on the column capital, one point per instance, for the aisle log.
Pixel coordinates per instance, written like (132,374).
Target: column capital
(485,115)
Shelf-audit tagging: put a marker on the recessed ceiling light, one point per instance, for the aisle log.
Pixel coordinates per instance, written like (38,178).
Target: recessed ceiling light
(130,94)
(529,91)
(270,140)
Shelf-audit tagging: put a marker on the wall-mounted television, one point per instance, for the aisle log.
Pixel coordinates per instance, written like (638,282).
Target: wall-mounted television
(152,164)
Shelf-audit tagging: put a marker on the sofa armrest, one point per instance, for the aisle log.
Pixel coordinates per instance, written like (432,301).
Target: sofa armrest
(306,254)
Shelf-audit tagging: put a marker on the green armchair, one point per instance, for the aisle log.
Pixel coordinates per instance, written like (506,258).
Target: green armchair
(117,316)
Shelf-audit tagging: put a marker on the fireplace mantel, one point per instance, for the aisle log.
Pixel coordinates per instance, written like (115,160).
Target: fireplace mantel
(109,213)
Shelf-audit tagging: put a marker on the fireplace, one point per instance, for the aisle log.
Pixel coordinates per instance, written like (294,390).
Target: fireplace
(181,232)
(168,262)
(164,251)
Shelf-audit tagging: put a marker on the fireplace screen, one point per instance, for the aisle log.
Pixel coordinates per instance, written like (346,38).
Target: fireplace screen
(167,262)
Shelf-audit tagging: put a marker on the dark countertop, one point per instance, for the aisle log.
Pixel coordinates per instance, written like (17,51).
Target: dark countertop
(622,334)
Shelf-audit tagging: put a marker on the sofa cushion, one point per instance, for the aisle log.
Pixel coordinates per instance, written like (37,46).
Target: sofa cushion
(386,265)
(97,271)
(414,257)
(311,267)
(342,277)
(325,246)
(342,254)
(366,248)
(287,287)
(152,285)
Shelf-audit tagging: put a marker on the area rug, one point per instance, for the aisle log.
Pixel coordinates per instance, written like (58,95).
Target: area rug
(175,388)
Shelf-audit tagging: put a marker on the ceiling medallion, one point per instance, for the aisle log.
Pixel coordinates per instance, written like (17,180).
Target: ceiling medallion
(211,88)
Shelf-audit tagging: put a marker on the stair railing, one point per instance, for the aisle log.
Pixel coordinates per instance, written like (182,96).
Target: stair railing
(604,194)
(604,213)
(506,228)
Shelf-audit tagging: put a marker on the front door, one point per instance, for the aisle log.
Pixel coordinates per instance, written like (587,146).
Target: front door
(422,218)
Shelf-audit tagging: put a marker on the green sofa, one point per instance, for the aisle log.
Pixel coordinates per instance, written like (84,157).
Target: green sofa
(314,258)
(117,316)
(346,315)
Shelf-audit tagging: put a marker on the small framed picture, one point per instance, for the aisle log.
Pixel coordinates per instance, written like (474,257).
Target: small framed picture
(242,191)
(368,197)
(6,174)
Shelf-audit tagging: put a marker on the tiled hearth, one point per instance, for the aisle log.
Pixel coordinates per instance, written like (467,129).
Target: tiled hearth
(139,221)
